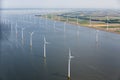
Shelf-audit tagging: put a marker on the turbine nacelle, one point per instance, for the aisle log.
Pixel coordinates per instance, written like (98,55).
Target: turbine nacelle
(31,33)
(70,56)
(45,42)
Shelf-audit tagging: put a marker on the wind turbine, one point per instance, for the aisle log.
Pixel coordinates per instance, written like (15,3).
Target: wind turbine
(11,27)
(77,26)
(22,34)
(90,22)
(31,34)
(97,31)
(59,18)
(107,23)
(54,25)
(67,18)
(16,30)
(69,60)
(77,20)
(45,43)
(46,20)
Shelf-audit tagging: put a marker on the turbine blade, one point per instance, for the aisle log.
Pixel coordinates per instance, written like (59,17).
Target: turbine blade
(69,52)
(44,40)
(71,57)
(47,42)
(32,33)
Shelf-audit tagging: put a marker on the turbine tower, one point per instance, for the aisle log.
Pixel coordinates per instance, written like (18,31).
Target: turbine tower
(16,31)
(54,25)
(78,27)
(77,20)
(11,27)
(69,60)
(90,21)
(97,31)
(107,23)
(22,34)
(67,18)
(31,34)
(46,20)
(45,43)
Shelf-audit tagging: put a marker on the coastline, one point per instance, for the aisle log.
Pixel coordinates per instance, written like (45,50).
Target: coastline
(93,26)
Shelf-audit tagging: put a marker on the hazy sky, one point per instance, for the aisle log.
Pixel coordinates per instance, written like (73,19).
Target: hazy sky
(60,3)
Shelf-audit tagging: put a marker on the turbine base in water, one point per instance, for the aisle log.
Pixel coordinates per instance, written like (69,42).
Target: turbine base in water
(68,78)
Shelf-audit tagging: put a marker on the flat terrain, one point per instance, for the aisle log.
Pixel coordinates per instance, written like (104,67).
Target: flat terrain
(101,19)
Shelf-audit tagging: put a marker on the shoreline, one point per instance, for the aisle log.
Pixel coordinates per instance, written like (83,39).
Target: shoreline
(112,28)
(93,26)
(102,29)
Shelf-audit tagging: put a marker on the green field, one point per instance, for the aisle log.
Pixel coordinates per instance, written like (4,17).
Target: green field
(95,19)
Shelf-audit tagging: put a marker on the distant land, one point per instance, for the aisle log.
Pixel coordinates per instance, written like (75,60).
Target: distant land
(102,19)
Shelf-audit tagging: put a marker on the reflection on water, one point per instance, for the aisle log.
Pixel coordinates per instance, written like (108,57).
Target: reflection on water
(23,42)
(97,38)
(31,49)
(96,52)
(45,68)
(4,31)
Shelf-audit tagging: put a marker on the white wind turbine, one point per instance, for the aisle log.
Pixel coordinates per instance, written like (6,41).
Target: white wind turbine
(78,26)
(67,18)
(46,20)
(90,22)
(23,34)
(11,27)
(69,60)
(97,31)
(77,20)
(31,34)
(45,43)
(54,25)
(59,18)
(16,30)
(107,23)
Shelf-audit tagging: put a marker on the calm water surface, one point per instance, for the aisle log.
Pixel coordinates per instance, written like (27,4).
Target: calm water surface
(97,55)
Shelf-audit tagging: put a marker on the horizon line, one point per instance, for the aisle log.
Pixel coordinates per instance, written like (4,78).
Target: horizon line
(59,8)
